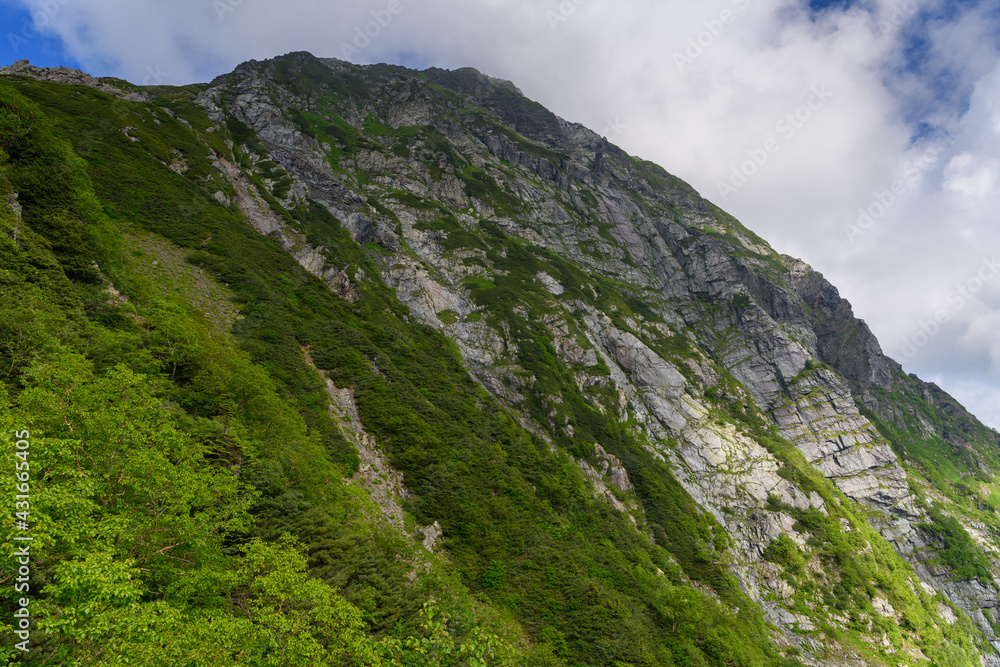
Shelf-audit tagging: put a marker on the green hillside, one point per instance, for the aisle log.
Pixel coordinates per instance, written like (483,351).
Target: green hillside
(287,386)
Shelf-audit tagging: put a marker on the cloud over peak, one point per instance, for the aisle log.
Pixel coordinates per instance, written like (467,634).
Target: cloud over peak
(861,136)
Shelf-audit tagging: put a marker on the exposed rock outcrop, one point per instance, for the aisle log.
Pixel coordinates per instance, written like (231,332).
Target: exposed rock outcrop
(678,321)
(71,77)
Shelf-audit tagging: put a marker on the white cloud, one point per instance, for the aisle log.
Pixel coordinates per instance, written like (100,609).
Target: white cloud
(971,179)
(615,64)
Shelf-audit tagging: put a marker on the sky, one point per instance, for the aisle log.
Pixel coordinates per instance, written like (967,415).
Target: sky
(860,136)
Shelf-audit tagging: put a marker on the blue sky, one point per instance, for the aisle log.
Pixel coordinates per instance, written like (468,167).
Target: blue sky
(889,183)
(22,40)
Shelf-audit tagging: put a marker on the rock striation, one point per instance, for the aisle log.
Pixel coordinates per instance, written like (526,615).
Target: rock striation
(726,323)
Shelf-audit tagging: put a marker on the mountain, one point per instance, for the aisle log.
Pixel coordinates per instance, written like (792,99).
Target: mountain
(328,364)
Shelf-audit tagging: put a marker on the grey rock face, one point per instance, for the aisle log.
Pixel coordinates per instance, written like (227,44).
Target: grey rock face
(842,341)
(566,344)
(820,417)
(612,467)
(644,367)
(384,483)
(722,315)
(550,284)
(433,536)
(268,223)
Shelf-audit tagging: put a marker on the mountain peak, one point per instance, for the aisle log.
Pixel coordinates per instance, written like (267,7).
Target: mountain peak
(475,361)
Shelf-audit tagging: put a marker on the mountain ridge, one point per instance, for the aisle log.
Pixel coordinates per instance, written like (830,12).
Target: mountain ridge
(624,322)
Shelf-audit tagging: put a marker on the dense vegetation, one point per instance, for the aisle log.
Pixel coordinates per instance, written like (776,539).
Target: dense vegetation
(163,451)
(194,500)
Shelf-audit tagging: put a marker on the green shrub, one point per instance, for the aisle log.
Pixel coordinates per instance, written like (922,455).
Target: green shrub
(783,551)
(959,553)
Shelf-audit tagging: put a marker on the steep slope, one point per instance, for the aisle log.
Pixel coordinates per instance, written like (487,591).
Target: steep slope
(629,427)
